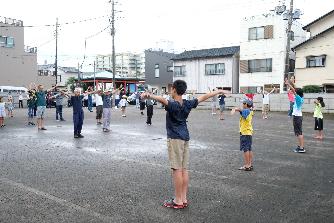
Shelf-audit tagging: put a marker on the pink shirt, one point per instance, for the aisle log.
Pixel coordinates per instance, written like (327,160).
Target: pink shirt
(291,96)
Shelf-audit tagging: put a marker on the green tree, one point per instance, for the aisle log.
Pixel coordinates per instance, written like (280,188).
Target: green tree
(71,83)
(311,89)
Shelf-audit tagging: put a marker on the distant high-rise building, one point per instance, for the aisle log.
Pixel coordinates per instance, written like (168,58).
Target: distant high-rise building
(127,64)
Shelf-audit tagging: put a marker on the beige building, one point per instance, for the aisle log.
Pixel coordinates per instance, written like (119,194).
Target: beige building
(315,56)
(18,64)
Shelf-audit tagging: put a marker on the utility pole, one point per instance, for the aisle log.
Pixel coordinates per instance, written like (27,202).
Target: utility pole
(56,58)
(113,42)
(136,73)
(287,56)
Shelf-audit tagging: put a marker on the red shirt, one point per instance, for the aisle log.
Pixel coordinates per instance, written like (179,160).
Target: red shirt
(250,96)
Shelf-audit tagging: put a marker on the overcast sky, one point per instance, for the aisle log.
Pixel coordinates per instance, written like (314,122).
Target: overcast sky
(189,24)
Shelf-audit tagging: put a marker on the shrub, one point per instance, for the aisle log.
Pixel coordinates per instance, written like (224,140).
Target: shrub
(311,89)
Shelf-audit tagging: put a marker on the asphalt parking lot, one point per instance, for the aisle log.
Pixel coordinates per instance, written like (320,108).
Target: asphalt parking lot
(124,175)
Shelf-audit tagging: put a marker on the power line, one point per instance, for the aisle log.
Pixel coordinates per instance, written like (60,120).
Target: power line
(52,25)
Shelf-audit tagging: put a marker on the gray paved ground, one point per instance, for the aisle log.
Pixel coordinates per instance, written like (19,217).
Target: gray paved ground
(123,176)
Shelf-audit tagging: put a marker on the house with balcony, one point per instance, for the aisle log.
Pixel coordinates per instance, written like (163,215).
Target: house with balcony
(263,51)
(206,69)
(18,64)
(315,56)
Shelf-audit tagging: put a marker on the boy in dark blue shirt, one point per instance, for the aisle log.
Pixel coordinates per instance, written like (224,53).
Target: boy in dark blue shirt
(178,137)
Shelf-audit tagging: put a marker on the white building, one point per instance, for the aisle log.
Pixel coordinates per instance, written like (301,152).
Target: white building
(63,73)
(263,49)
(208,69)
(127,64)
(315,56)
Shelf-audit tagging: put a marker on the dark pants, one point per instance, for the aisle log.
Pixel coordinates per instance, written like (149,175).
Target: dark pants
(116,102)
(35,110)
(90,102)
(149,114)
(20,104)
(78,118)
(59,111)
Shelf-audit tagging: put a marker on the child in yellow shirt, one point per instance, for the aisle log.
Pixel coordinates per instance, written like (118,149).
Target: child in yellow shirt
(246,132)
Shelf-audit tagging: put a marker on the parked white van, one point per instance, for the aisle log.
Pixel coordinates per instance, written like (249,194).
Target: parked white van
(4,90)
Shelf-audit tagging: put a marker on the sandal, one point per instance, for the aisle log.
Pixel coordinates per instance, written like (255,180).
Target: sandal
(248,169)
(171,204)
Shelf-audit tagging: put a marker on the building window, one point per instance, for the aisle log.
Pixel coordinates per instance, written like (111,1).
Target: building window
(179,71)
(169,68)
(2,41)
(262,65)
(10,42)
(215,69)
(256,33)
(156,71)
(316,61)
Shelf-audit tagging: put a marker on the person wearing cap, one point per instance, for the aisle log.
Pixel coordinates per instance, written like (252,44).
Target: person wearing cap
(246,132)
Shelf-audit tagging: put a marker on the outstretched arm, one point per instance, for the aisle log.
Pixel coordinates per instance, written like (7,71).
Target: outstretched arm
(154,97)
(210,95)
(272,90)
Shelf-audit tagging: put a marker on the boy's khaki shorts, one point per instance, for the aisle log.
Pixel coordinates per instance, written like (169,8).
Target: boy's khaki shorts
(178,153)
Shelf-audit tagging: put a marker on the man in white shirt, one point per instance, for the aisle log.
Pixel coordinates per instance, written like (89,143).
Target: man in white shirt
(20,100)
(99,107)
(265,103)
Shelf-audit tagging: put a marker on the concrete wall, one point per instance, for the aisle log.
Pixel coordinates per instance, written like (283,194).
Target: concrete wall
(316,75)
(278,102)
(200,82)
(17,67)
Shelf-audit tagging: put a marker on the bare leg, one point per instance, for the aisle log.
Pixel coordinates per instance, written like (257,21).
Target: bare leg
(321,134)
(185,176)
(250,158)
(178,183)
(301,141)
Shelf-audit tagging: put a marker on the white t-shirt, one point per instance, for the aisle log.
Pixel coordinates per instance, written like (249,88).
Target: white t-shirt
(20,97)
(265,99)
(98,100)
(117,96)
(123,102)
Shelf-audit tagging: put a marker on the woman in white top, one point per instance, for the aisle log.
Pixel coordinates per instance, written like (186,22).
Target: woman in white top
(265,103)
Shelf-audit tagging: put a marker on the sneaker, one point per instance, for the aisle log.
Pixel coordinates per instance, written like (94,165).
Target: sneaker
(76,136)
(296,150)
(32,123)
(302,150)
(63,120)
(57,120)
(43,128)
(171,204)
(80,136)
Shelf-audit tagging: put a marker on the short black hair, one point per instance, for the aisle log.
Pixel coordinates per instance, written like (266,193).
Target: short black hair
(180,86)
(300,92)
(321,100)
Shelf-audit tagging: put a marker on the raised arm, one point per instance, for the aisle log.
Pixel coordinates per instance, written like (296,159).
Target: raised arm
(287,82)
(272,90)
(210,95)
(154,97)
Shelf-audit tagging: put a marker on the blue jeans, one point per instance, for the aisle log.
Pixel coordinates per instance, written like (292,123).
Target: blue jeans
(90,103)
(78,118)
(59,111)
(291,108)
